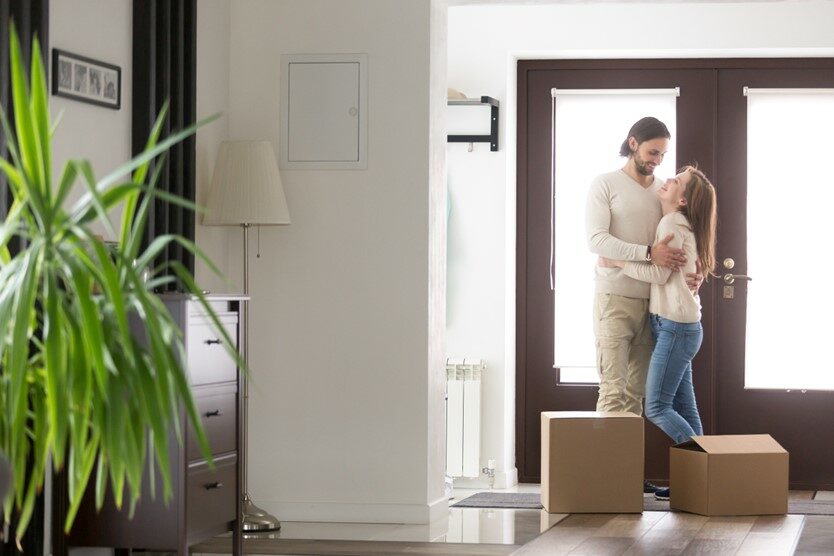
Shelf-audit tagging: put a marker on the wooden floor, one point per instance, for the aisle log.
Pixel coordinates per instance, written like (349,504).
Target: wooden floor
(655,533)
(305,547)
(675,533)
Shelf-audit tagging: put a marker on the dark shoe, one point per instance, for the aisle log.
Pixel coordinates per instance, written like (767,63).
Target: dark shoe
(662,494)
(649,488)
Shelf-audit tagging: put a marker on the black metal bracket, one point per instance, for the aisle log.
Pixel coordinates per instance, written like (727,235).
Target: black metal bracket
(492,138)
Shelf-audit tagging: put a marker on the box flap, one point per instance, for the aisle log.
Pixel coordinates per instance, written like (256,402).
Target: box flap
(689,445)
(736,444)
(588,414)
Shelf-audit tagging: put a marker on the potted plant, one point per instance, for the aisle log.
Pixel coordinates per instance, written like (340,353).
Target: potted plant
(79,390)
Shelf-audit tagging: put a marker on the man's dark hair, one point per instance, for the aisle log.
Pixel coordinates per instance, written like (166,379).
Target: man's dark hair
(644,129)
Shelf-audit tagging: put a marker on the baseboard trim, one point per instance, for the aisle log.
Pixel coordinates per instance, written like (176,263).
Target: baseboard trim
(356,512)
(439,509)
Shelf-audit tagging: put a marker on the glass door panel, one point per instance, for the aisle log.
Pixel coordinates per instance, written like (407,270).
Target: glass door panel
(588,128)
(789,143)
(772,369)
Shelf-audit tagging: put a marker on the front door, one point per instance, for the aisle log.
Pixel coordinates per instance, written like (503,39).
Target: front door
(542,381)
(773,369)
(763,366)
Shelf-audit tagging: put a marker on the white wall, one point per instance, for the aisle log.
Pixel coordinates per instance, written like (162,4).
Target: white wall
(346,409)
(437,191)
(347,337)
(484,45)
(99,134)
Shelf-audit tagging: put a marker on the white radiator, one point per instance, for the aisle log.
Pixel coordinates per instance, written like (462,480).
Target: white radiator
(463,416)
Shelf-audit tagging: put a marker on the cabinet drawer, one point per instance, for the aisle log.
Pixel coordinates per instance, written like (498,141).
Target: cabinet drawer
(211,495)
(208,360)
(218,412)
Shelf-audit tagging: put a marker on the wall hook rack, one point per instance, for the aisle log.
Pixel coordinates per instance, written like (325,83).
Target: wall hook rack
(492,138)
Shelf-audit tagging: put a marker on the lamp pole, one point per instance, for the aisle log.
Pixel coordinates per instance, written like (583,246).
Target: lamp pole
(254,518)
(246,190)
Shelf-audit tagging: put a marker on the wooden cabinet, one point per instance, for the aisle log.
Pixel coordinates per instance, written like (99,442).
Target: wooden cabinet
(206,502)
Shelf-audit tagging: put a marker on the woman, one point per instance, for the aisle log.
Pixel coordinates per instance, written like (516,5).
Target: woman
(689,213)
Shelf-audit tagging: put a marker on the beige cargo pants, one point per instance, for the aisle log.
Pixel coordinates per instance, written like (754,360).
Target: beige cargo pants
(624,348)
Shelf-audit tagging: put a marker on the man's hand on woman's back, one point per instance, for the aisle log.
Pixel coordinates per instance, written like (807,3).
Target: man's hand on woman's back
(695,279)
(669,257)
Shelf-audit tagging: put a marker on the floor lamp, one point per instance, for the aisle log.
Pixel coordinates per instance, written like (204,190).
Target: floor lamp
(246,191)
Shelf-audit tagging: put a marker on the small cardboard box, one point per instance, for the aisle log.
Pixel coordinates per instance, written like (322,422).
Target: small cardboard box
(592,462)
(729,475)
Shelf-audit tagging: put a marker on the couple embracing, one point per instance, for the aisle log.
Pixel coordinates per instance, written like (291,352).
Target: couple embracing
(656,243)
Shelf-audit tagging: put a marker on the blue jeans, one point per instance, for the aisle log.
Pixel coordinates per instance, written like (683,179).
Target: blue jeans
(670,396)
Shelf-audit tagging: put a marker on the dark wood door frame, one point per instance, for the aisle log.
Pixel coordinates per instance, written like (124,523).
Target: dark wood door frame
(533,296)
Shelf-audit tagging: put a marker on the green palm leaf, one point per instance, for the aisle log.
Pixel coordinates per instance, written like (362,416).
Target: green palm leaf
(90,373)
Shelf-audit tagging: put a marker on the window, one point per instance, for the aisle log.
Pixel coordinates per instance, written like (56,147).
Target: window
(588,128)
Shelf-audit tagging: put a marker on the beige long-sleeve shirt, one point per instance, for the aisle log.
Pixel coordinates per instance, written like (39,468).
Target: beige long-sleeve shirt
(620,219)
(670,296)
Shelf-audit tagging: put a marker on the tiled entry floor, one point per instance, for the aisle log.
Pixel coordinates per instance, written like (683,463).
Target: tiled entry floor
(824,495)
(477,531)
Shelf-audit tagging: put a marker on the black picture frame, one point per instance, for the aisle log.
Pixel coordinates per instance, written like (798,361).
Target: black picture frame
(86,80)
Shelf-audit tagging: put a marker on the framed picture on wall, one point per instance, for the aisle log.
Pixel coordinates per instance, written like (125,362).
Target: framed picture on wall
(81,78)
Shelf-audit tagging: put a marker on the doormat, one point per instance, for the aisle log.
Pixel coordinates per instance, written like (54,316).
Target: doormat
(532,501)
(513,500)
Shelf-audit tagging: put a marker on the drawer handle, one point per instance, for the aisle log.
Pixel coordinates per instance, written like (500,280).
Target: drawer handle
(215,413)
(216,341)
(213,486)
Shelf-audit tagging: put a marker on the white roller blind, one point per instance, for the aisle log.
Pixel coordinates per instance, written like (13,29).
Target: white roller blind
(789,146)
(588,128)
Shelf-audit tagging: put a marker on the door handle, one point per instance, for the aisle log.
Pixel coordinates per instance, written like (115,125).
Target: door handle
(731,278)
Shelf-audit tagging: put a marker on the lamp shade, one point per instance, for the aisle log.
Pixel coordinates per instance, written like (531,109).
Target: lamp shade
(246,187)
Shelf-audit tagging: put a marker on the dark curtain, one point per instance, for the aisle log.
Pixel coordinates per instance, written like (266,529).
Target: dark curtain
(165,68)
(31,17)
(32,20)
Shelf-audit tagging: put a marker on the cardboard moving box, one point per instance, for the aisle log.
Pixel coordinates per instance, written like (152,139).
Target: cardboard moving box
(592,462)
(729,475)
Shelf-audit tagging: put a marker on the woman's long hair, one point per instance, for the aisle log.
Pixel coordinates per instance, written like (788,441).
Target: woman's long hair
(701,211)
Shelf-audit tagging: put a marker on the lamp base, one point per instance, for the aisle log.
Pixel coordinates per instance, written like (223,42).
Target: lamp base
(256,519)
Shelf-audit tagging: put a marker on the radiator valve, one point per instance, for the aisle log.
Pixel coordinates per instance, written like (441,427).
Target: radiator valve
(489,471)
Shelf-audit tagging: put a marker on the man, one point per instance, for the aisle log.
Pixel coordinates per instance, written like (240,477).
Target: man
(622,214)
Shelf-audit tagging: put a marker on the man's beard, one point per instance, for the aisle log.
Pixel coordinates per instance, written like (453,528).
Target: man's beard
(641,166)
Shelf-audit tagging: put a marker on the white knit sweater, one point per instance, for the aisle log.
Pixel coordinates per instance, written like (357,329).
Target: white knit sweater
(620,220)
(670,296)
